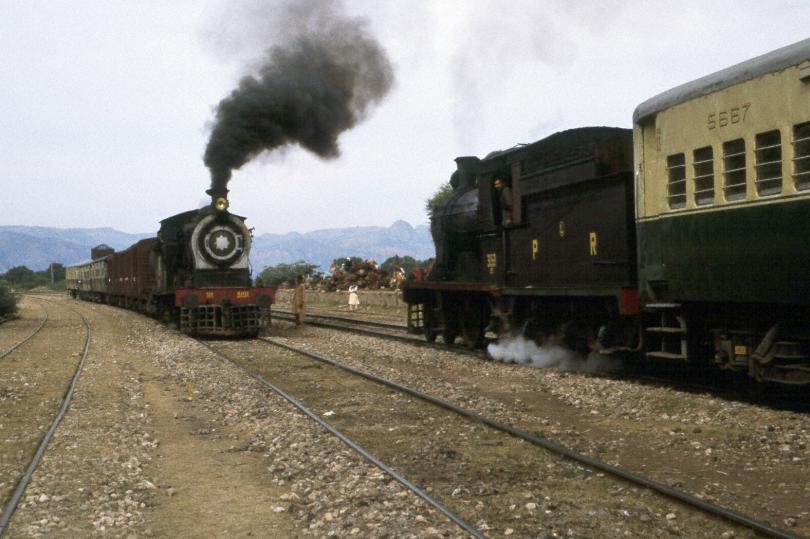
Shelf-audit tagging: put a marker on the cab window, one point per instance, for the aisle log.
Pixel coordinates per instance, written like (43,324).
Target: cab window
(734,186)
(769,163)
(676,181)
(703,165)
(801,156)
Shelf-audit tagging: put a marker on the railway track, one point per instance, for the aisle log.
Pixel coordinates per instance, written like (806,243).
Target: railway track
(320,318)
(22,483)
(463,524)
(394,332)
(28,337)
(469,433)
(730,386)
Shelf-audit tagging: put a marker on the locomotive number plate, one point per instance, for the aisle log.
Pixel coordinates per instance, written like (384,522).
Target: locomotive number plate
(492,262)
(722,118)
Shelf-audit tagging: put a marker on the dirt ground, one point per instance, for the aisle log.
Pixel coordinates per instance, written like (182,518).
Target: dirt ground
(741,455)
(503,485)
(128,458)
(164,439)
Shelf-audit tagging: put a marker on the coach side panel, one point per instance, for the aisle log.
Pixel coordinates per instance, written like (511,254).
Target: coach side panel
(723,186)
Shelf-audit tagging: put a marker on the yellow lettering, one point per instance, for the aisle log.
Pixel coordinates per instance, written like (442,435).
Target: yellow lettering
(562,229)
(209,295)
(492,262)
(242,294)
(535,248)
(593,241)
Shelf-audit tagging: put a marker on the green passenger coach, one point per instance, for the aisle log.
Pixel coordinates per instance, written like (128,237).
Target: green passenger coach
(722,176)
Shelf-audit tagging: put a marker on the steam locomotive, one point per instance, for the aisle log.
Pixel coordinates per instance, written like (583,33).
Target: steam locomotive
(195,273)
(682,240)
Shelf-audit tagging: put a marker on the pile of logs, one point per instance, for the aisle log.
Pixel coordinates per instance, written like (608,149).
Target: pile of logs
(365,274)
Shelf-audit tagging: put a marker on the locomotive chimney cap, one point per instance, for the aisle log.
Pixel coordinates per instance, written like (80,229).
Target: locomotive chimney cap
(221,204)
(214,193)
(219,199)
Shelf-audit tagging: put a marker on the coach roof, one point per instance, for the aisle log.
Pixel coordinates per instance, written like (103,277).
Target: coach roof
(750,69)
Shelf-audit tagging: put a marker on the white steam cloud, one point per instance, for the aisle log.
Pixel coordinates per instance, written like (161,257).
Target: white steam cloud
(553,356)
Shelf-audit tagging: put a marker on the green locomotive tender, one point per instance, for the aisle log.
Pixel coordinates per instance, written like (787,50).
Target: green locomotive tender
(688,240)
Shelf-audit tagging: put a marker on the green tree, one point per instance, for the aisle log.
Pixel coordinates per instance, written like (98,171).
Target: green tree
(275,275)
(19,275)
(405,262)
(441,194)
(24,278)
(349,263)
(55,272)
(8,302)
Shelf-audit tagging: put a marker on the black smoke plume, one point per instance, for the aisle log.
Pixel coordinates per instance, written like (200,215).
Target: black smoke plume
(322,80)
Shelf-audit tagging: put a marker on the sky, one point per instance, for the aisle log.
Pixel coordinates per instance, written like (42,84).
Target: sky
(106,106)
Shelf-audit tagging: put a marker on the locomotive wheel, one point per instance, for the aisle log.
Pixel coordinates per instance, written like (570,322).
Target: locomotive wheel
(430,334)
(451,323)
(449,335)
(427,325)
(472,337)
(472,326)
(578,337)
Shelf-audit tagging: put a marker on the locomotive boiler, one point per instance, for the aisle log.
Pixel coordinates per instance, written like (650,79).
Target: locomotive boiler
(682,241)
(195,273)
(563,261)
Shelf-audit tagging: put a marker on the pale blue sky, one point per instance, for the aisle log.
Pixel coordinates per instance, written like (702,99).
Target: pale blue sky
(105,103)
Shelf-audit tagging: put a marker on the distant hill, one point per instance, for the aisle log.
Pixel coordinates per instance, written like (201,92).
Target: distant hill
(322,246)
(37,247)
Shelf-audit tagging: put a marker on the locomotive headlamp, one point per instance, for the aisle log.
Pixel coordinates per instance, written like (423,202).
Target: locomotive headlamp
(221,204)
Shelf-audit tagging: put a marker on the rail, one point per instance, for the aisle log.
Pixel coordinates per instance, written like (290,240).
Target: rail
(353,445)
(19,490)
(555,447)
(28,338)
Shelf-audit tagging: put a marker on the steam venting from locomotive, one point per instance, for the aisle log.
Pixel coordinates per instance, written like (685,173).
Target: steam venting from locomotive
(519,349)
(320,80)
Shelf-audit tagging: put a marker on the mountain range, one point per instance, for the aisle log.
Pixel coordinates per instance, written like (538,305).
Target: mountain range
(37,247)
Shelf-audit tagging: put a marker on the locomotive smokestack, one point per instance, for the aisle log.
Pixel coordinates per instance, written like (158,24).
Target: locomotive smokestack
(216,193)
(219,198)
(319,82)
(466,172)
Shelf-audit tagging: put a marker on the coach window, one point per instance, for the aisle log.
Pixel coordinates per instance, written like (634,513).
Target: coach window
(676,182)
(801,156)
(769,163)
(734,169)
(704,175)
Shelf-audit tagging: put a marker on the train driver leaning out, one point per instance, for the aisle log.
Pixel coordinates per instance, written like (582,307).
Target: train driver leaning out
(504,200)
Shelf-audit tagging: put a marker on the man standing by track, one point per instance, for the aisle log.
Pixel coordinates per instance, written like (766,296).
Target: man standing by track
(298,301)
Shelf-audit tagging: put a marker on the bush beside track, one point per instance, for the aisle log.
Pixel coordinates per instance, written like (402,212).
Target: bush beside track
(8,303)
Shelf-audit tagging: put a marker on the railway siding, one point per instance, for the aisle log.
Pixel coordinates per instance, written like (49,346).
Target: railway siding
(501,484)
(739,455)
(29,316)
(33,380)
(164,439)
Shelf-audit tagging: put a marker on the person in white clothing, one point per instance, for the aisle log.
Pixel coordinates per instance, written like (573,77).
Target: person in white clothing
(354,299)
